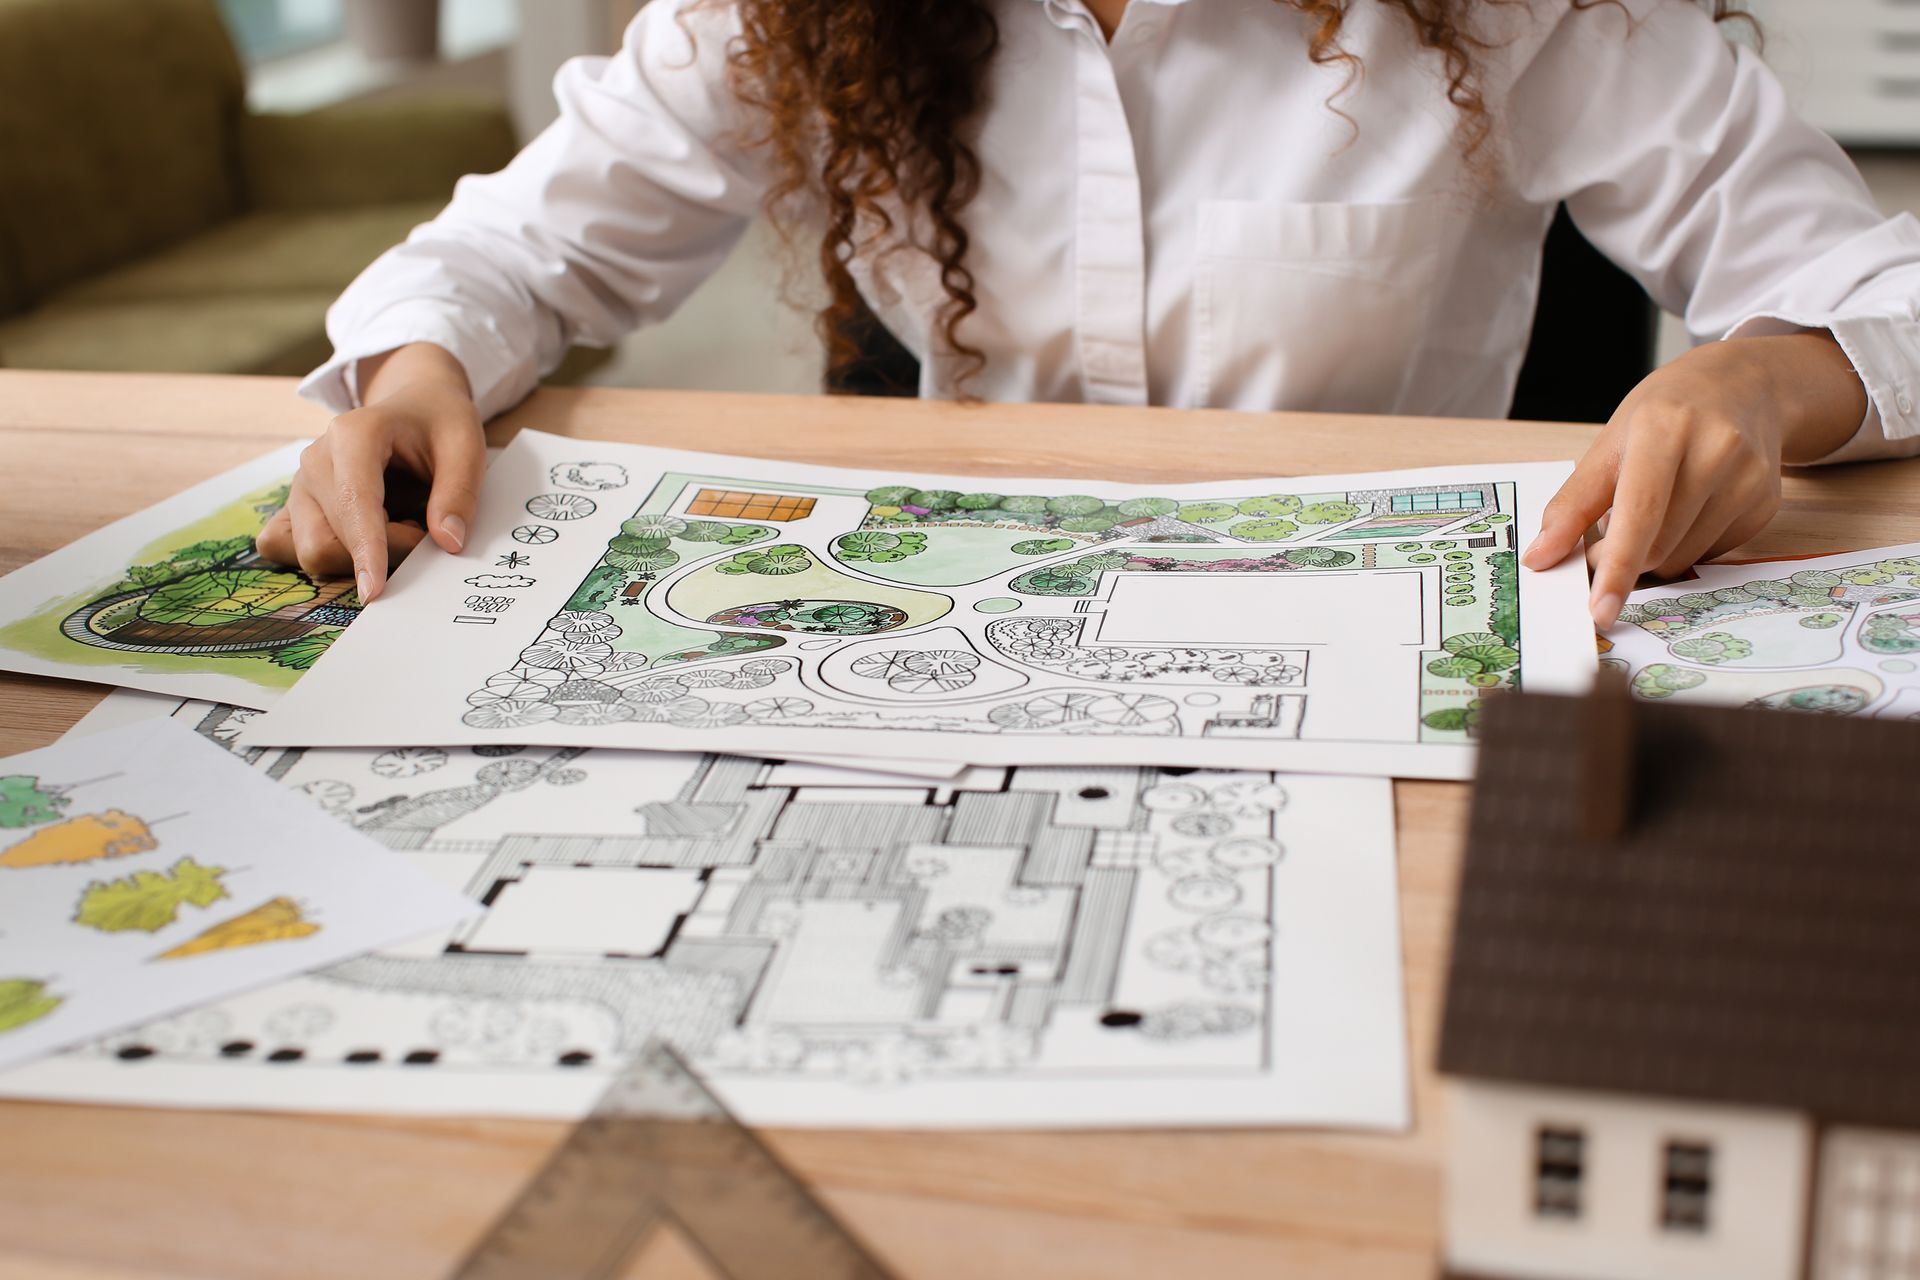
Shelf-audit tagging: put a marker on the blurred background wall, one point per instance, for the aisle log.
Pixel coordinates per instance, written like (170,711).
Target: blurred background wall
(326,127)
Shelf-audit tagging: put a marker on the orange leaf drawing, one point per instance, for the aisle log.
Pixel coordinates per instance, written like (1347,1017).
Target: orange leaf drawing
(87,838)
(278,920)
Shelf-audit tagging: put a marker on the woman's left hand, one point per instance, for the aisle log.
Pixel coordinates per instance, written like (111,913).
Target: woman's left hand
(1689,466)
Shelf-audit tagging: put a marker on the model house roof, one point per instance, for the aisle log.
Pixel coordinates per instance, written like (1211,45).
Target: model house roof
(1751,936)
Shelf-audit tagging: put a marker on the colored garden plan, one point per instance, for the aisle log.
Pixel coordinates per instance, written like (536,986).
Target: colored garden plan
(175,600)
(1837,635)
(625,596)
(134,882)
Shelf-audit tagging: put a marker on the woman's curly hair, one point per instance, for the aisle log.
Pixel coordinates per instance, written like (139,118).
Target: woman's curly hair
(866,102)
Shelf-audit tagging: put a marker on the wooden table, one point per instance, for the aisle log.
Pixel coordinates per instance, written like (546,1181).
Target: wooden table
(91,1193)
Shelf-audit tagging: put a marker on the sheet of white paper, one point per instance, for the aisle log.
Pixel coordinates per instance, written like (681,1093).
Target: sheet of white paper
(1837,634)
(615,595)
(173,600)
(144,870)
(1018,948)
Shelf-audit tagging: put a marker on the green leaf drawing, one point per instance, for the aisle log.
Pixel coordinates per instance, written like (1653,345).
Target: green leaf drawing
(25,803)
(149,901)
(304,652)
(22,1000)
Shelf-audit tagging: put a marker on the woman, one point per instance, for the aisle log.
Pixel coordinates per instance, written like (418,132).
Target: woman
(1249,204)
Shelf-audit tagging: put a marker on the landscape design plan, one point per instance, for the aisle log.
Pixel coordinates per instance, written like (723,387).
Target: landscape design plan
(624,596)
(1838,635)
(174,599)
(1013,947)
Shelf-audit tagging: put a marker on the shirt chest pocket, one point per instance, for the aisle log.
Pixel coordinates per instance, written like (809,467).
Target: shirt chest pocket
(1314,306)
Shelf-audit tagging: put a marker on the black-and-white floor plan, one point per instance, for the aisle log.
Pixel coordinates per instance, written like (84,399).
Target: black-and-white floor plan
(1010,947)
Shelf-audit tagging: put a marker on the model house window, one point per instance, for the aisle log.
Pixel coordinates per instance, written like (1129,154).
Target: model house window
(1559,1171)
(1688,1189)
(1867,1216)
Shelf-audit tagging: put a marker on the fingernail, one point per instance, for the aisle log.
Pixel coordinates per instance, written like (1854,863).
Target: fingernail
(1533,548)
(456,530)
(363,583)
(1606,609)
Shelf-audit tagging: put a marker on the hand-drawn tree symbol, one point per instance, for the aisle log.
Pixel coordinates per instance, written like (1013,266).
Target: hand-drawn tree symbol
(227,595)
(1099,522)
(1328,512)
(1662,680)
(1821,621)
(1453,667)
(1055,580)
(535,534)
(1274,530)
(561,506)
(1024,504)
(662,527)
(891,495)
(1456,719)
(933,500)
(1208,512)
(977,501)
(1042,546)
(1075,504)
(1318,557)
(1712,648)
(1483,647)
(1148,508)
(1276,504)
(1131,710)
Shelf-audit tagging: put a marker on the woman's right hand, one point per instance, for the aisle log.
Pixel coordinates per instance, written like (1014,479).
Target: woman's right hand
(418,417)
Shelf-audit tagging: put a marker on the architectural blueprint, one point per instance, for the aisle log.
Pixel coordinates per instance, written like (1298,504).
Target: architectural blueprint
(135,882)
(1839,635)
(624,596)
(174,600)
(1021,947)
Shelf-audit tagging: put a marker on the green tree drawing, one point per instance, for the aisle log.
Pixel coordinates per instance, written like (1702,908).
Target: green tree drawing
(1319,557)
(1662,680)
(1054,580)
(1485,648)
(1821,621)
(977,501)
(704,531)
(1024,504)
(1209,512)
(1712,648)
(892,495)
(1271,530)
(149,901)
(1075,504)
(934,500)
(1815,580)
(1042,546)
(741,535)
(1454,667)
(1505,608)
(1328,512)
(304,652)
(25,803)
(1152,508)
(1456,719)
(23,1000)
(875,547)
(1099,522)
(222,596)
(1274,504)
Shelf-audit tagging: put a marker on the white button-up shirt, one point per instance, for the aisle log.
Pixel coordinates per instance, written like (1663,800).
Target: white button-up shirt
(1177,217)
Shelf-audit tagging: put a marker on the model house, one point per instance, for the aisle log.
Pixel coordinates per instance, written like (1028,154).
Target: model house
(1683,1014)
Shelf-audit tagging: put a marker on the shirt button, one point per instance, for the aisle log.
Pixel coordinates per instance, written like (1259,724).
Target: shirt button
(1905,403)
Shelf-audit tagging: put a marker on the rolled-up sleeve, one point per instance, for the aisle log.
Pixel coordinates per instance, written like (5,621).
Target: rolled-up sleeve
(606,222)
(1679,157)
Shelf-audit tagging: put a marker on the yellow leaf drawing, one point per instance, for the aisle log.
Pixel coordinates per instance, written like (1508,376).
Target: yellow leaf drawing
(276,921)
(87,838)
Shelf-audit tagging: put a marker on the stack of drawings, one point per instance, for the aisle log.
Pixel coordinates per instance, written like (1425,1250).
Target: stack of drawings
(893,799)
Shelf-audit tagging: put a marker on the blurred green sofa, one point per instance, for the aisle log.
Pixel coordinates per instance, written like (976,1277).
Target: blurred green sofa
(148,221)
